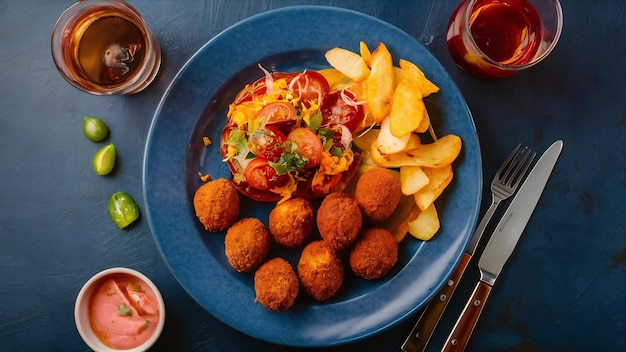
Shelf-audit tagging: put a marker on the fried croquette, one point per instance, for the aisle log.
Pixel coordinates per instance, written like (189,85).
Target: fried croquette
(339,221)
(291,222)
(336,195)
(378,193)
(276,285)
(247,244)
(374,254)
(320,270)
(216,204)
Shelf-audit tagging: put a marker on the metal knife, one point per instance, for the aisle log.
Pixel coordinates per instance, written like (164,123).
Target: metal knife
(501,245)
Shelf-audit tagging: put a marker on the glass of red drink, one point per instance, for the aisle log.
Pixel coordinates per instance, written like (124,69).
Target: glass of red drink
(105,47)
(498,38)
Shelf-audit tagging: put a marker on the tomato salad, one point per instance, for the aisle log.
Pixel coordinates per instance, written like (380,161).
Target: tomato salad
(289,135)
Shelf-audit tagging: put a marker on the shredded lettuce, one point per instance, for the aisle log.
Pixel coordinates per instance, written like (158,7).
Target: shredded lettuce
(237,138)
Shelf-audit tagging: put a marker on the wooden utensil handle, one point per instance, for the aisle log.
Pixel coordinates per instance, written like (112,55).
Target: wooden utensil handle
(464,326)
(428,320)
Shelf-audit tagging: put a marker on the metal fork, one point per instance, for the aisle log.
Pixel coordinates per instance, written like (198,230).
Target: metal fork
(504,184)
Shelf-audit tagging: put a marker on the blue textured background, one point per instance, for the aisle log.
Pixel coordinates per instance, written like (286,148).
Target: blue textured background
(562,290)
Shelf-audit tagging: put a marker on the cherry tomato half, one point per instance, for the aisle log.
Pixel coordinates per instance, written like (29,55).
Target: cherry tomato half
(307,85)
(261,176)
(278,112)
(267,143)
(259,88)
(335,111)
(309,144)
(310,85)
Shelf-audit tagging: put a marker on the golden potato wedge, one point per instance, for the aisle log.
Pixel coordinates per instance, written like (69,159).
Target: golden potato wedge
(437,154)
(360,89)
(388,143)
(425,225)
(365,54)
(365,141)
(412,179)
(369,138)
(398,223)
(397,76)
(380,83)
(407,108)
(414,141)
(336,79)
(347,62)
(424,122)
(390,160)
(369,120)
(400,230)
(413,73)
(439,179)
(440,153)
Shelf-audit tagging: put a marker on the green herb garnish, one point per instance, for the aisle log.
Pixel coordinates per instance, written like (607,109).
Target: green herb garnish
(145,326)
(315,121)
(326,136)
(290,160)
(336,151)
(123,310)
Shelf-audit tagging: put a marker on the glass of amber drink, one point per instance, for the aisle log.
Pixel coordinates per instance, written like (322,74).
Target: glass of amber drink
(105,47)
(498,38)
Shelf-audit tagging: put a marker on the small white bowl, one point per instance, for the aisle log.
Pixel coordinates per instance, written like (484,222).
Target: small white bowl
(81,310)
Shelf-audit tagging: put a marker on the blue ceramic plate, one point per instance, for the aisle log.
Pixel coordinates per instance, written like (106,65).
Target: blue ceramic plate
(195,105)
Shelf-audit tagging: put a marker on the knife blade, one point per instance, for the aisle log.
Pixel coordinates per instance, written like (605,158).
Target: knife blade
(501,245)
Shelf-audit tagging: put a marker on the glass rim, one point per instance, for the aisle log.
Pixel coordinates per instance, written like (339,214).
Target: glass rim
(135,84)
(536,60)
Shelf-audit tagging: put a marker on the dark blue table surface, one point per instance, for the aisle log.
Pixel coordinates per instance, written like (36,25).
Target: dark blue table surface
(563,289)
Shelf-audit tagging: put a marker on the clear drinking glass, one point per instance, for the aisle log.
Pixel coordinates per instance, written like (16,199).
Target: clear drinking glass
(105,47)
(498,38)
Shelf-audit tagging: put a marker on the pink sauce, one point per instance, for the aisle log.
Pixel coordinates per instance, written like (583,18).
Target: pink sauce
(123,312)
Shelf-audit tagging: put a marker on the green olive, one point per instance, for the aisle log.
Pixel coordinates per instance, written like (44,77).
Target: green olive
(95,129)
(122,209)
(104,160)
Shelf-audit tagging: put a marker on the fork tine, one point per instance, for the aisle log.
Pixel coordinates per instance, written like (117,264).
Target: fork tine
(514,167)
(507,162)
(507,168)
(509,175)
(520,170)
